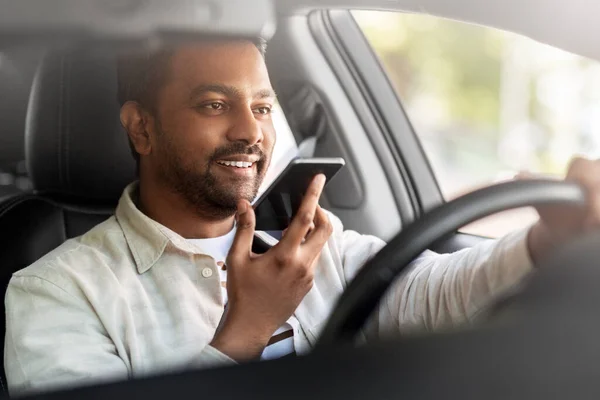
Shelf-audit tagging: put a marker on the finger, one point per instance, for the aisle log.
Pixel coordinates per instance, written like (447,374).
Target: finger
(319,236)
(301,223)
(586,173)
(527,175)
(524,175)
(241,248)
(310,228)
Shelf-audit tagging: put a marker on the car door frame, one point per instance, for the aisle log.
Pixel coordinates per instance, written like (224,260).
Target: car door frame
(393,126)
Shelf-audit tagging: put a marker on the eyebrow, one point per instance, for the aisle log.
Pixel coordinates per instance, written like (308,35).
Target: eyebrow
(229,91)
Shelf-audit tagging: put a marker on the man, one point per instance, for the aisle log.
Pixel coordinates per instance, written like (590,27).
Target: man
(146,290)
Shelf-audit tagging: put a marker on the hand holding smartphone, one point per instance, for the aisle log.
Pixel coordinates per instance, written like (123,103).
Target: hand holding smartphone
(279,203)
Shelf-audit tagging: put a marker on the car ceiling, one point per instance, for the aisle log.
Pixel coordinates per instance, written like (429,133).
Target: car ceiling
(572,25)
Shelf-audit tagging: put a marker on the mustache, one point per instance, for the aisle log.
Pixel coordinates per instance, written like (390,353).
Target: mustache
(238,148)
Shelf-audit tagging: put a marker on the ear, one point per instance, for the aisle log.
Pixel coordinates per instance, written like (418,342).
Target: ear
(135,121)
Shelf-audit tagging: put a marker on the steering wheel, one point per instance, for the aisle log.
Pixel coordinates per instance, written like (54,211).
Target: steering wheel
(365,291)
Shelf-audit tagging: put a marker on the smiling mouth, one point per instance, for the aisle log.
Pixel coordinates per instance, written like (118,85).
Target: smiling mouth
(236,164)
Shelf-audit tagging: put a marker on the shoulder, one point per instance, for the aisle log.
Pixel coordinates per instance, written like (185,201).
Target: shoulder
(350,237)
(83,258)
(354,248)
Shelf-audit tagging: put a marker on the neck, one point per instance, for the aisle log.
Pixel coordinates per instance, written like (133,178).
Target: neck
(171,210)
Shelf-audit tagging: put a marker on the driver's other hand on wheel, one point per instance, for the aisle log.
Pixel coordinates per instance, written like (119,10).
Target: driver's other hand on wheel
(264,290)
(558,224)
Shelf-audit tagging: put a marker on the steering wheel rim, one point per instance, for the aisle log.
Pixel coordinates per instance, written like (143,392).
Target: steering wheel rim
(365,291)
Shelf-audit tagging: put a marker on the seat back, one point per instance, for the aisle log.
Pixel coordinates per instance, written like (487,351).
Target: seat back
(77,155)
(17,67)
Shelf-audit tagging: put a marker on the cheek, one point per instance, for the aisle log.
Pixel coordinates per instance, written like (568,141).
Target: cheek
(196,136)
(269,138)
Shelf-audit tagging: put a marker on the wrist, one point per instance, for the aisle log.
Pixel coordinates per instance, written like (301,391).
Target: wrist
(241,341)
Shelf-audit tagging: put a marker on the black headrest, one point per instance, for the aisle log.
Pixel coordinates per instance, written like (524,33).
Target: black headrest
(75,145)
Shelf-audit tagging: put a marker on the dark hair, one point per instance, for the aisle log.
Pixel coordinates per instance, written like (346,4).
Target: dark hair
(140,76)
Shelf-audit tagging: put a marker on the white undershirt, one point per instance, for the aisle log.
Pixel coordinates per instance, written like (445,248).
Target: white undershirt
(282,341)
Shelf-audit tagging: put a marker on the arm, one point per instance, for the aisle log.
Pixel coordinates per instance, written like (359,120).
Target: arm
(442,290)
(55,338)
(446,290)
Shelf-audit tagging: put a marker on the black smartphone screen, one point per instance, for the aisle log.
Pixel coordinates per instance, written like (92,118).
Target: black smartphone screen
(276,207)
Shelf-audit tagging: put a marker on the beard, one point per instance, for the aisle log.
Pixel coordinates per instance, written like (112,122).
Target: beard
(210,195)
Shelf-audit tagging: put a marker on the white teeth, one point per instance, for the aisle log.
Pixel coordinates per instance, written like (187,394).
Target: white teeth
(238,164)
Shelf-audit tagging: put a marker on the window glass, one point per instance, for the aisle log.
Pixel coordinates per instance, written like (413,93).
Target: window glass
(487,104)
(285,147)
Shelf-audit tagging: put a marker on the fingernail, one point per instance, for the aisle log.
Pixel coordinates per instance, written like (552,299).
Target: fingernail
(320,179)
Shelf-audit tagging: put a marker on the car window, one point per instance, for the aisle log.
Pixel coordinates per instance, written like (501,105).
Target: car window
(487,104)
(285,148)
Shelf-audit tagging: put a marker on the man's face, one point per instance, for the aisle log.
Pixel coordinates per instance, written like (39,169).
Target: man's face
(213,135)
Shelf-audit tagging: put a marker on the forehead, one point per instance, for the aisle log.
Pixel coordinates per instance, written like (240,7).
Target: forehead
(234,63)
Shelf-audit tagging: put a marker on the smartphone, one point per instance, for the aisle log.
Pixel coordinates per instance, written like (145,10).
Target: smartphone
(278,204)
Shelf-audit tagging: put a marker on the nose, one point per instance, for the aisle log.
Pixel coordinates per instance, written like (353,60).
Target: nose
(246,128)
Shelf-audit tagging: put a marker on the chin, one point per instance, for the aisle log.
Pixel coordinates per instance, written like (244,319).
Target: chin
(230,200)
(246,196)
(247,192)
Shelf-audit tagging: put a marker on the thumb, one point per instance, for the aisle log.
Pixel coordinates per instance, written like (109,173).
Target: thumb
(528,175)
(525,175)
(244,235)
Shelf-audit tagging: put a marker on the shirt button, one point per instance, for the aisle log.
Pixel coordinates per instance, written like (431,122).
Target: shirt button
(207,272)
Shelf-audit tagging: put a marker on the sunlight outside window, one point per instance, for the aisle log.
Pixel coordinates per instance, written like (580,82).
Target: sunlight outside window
(486,103)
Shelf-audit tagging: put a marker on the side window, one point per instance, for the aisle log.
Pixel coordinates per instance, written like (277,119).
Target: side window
(487,104)
(285,147)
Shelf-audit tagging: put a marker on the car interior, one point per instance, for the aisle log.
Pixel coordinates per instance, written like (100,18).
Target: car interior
(16,74)
(64,161)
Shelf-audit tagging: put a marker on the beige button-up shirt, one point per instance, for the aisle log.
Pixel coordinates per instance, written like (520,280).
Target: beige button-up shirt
(131,297)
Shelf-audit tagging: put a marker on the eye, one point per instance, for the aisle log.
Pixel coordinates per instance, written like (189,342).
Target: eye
(264,110)
(215,106)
